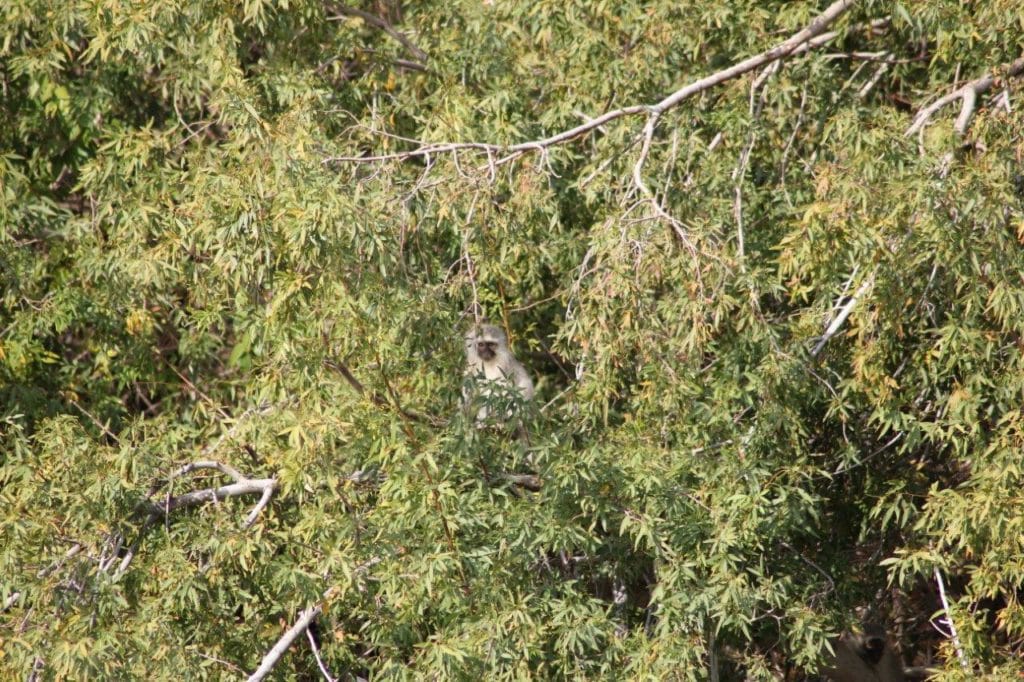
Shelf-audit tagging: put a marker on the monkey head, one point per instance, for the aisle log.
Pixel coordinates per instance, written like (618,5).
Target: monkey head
(864,655)
(485,342)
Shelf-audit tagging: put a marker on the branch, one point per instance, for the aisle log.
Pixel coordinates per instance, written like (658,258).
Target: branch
(508,153)
(949,621)
(374,397)
(10,601)
(319,661)
(248,486)
(272,656)
(844,313)
(383,25)
(968,94)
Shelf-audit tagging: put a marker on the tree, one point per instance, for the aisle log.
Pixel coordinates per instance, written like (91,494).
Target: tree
(762,258)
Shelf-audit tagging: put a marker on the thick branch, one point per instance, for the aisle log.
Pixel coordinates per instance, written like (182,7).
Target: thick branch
(248,486)
(510,152)
(968,95)
(272,656)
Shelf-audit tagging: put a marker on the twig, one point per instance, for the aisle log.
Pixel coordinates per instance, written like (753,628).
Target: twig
(757,99)
(949,621)
(653,111)
(100,425)
(226,664)
(272,656)
(968,95)
(873,81)
(374,397)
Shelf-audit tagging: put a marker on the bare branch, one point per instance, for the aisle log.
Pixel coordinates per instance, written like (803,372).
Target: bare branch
(316,653)
(968,95)
(70,554)
(10,601)
(961,656)
(268,492)
(196,497)
(873,81)
(272,656)
(840,318)
(507,153)
(207,464)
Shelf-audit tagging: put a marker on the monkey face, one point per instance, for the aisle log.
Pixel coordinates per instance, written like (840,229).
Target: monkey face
(486,349)
(873,646)
(485,341)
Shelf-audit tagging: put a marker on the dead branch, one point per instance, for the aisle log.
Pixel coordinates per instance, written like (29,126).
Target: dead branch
(844,312)
(507,153)
(968,96)
(272,656)
(10,601)
(319,661)
(953,635)
(242,486)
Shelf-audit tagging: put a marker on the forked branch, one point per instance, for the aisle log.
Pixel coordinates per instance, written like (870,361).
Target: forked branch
(968,96)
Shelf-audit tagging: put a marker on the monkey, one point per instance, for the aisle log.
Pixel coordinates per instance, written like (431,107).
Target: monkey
(489,361)
(864,656)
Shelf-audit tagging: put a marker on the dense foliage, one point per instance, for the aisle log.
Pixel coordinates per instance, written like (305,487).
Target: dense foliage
(778,343)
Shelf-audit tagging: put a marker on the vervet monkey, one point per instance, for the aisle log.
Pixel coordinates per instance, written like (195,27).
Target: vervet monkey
(488,362)
(864,656)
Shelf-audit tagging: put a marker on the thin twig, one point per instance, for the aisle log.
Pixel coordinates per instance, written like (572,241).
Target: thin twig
(374,397)
(316,653)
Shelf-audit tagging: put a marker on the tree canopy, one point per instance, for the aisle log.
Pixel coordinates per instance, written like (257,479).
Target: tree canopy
(763,260)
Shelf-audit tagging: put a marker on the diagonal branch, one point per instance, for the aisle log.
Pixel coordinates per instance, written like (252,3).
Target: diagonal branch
(383,25)
(272,656)
(840,318)
(507,153)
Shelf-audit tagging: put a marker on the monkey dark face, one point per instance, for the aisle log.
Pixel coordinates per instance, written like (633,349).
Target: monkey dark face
(486,349)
